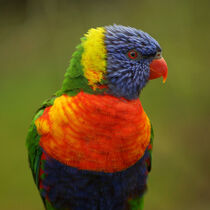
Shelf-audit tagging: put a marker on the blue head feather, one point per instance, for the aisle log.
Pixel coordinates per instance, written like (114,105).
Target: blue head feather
(127,77)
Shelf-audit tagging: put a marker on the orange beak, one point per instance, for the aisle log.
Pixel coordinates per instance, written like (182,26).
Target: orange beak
(158,68)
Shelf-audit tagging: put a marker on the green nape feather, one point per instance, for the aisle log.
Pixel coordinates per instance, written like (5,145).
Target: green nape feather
(74,80)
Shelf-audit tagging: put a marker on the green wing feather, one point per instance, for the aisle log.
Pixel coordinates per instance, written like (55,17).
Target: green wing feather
(34,150)
(32,140)
(138,203)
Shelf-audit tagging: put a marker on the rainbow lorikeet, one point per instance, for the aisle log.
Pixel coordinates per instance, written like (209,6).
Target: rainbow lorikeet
(90,145)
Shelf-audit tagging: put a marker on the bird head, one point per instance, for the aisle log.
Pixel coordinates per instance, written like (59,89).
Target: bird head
(116,60)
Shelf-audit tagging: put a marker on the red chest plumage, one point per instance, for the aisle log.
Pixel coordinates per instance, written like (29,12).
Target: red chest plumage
(95,132)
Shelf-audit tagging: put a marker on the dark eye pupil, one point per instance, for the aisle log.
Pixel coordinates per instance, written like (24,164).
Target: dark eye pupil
(133,54)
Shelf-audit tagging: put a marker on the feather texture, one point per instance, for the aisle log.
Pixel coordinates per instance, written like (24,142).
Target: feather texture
(90,145)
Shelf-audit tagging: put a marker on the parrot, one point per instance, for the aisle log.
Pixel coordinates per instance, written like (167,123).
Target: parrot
(90,144)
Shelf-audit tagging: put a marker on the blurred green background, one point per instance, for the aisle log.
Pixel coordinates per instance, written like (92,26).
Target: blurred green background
(37,38)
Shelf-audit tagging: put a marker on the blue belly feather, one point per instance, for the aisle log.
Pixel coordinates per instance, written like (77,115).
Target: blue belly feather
(69,188)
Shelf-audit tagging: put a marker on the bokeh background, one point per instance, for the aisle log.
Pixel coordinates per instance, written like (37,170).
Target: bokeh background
(37,38)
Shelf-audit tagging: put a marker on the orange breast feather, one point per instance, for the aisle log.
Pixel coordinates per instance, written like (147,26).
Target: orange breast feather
(94,132)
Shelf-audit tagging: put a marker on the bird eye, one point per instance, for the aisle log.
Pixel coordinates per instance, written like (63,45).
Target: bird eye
(158,55)
(132,54)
